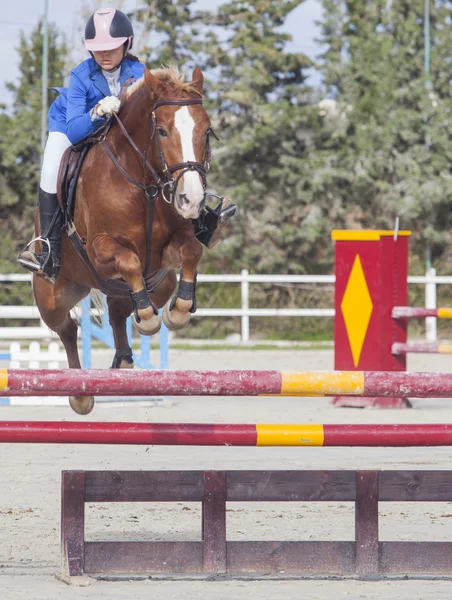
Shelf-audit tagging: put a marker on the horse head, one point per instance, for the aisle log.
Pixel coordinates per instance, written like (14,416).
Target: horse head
(179,130)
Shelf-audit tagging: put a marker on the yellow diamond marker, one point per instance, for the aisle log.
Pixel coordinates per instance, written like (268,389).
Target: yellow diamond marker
(3,379)
(357,309)
(289,435)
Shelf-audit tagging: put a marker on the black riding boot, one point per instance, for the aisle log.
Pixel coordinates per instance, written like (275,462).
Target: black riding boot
(211,221)
(47,263)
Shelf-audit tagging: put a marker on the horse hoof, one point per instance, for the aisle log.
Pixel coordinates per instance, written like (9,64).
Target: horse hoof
(177,319)
(150,322)
(125,364)
(82,405)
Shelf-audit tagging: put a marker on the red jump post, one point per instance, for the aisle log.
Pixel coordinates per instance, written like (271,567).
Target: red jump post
(371,279)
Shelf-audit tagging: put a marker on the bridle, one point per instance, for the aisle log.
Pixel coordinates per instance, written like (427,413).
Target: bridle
(164,182)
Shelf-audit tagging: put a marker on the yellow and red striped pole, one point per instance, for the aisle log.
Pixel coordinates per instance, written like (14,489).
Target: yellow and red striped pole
(119,382)
(422,348)
(414,312)
(207,434)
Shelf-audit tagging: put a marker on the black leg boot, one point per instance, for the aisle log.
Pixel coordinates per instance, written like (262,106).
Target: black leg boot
(47,263)
(210,223)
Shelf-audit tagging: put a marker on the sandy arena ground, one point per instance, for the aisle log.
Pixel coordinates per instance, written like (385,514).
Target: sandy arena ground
(30,497)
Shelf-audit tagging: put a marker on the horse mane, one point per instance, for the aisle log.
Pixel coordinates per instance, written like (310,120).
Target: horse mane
(169,76)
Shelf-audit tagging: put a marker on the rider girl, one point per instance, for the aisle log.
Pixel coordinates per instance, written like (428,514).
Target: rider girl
(78,112)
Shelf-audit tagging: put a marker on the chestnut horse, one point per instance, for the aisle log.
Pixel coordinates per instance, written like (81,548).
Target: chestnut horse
(137,193)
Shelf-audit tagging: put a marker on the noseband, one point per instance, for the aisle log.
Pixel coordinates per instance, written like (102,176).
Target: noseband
(164,182)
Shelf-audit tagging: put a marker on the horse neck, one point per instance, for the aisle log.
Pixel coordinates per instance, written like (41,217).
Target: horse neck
(136,118)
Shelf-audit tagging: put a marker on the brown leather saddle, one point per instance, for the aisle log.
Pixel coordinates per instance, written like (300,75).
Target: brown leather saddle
(70,168)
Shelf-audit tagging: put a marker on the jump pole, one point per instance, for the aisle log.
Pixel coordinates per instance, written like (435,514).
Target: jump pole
(421,348)
(371,279)
(416,312)
(120,382)
(206,434)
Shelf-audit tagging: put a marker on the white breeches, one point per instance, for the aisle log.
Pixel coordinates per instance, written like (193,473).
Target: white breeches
(56,145)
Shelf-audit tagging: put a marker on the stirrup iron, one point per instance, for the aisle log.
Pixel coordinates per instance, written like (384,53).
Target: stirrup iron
(30,261)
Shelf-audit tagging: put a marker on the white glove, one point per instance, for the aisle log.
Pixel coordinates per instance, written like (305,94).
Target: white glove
(108,106)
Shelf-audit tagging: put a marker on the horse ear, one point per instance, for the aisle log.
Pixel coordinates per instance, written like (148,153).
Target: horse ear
(198,80)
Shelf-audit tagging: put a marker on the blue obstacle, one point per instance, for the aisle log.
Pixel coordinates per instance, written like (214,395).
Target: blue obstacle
(104,333)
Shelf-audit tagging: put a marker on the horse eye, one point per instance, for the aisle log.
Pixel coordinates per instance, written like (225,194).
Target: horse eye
(162,132)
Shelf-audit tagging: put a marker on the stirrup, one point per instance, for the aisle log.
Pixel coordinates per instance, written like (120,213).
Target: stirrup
(30,261)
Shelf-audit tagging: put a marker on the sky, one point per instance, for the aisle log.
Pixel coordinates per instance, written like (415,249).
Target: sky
(24,15)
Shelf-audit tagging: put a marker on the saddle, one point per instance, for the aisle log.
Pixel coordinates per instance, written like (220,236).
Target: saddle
(70,167)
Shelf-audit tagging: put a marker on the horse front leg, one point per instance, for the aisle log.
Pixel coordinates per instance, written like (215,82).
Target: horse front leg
(178,311)
(119,309)
(54,304)
(114,261)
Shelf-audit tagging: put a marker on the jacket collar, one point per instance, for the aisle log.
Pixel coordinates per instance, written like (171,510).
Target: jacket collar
(100,82)
(126,72)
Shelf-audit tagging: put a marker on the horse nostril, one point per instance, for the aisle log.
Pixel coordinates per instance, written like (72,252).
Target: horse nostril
(184,199)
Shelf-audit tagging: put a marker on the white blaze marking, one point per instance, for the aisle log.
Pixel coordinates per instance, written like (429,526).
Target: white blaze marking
(185,125)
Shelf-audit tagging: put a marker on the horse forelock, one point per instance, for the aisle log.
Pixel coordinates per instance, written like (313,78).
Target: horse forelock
(171,80)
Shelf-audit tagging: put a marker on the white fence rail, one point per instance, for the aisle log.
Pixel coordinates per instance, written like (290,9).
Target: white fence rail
(430,280)
(35,356)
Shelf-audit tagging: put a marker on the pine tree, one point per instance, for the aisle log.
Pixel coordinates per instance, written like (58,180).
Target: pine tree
(20,141)
(260,104)
(424,111)
(391,156)
(168,32)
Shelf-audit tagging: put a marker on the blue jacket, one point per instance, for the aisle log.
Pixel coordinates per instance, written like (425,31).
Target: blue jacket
(69,113)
